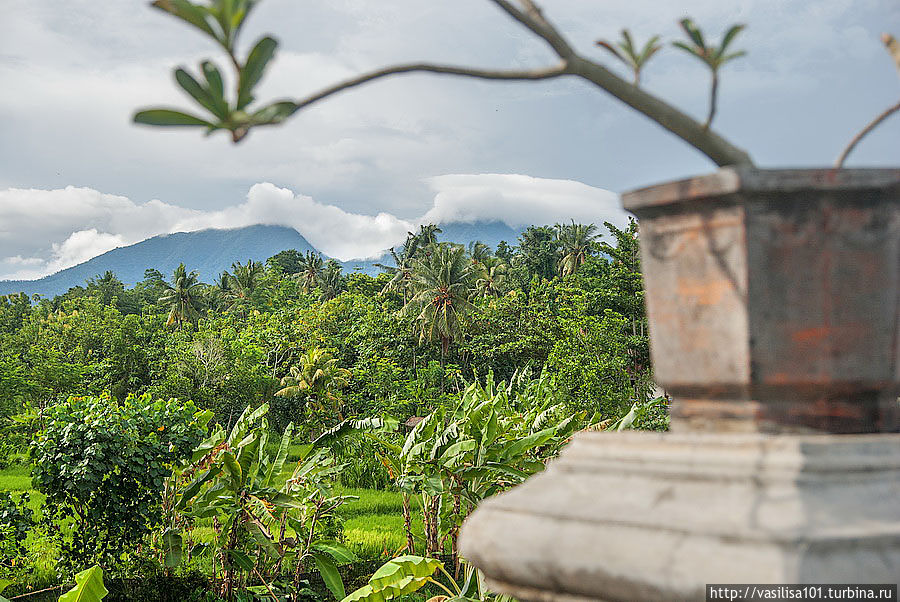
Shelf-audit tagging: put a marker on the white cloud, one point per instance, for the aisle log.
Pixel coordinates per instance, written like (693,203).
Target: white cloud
(49,230)
(520,200)
(81,246)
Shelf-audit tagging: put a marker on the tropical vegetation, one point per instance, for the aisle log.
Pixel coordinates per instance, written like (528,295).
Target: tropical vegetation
(274,433)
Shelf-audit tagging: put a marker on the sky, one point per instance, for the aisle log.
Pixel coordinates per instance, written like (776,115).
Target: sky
(354,173)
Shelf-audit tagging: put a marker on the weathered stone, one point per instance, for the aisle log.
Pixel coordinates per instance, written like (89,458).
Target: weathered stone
(646,516)
(774,298)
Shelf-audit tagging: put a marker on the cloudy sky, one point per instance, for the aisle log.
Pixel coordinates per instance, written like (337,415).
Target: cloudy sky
(354,173)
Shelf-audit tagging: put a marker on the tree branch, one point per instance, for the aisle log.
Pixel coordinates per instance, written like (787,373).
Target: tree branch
(679,123)
(864,132)
(534,20)
(533,74)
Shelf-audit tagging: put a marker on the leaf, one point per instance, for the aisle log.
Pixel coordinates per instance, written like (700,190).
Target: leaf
(612,49)
(88,587)
(169,118)
(403,575)
(263,539)
(274,113)
(457,449)
(244,422)
(172,543)
(523,445)
(687,48)
(232,468)
(199,93)
(195,486)
(693,32)
(187,12)
(628,419)
(281,456)
(364,594)
(4,583)
(337,551)
(241,559)
(330,574)
(254,68)
(728,38)
(215,85)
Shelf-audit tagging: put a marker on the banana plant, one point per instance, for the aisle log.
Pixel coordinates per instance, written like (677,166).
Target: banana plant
(494,438)
(222,21)
(262,520)
(88,587)
(712,56)
(405,575)
(626,51)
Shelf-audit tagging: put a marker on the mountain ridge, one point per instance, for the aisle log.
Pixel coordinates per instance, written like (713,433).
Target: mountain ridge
(211,251)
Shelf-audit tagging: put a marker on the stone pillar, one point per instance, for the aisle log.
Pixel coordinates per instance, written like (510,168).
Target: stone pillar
(774,311)
(646,516)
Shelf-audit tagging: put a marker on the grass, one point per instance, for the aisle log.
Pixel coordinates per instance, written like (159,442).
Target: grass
(16,478)
(372,523)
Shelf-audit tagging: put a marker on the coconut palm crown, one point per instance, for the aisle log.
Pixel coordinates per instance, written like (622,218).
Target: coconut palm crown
(441,287)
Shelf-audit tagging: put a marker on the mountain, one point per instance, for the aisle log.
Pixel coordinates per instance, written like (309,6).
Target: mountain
(490,233)
(210,252)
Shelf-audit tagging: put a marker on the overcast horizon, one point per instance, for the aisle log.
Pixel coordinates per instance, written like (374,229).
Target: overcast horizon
(354,173)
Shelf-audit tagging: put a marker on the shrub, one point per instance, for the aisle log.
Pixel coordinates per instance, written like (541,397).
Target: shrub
(102,466)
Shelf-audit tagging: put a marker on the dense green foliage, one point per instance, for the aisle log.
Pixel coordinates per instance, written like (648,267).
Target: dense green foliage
(104,465)
(451,376)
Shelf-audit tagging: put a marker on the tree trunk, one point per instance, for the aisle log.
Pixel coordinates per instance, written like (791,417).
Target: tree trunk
(407,526)
(227,567)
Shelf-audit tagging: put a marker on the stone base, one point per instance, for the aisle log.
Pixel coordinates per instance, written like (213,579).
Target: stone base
(648,516)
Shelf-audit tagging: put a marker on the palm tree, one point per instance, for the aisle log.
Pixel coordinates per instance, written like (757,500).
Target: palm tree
(310,268)
(441,286)
(218,292)
(331,282)
(245,279)
(491,277)
(628,53)
(577,242)
(183,297)
(479,252)
(401,271)
(317,379)
(427,234)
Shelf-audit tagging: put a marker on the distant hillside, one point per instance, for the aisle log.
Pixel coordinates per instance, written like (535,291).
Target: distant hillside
(210,252)
(490,233)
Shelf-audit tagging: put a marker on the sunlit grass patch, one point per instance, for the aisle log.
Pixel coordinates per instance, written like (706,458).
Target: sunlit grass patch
(15,478)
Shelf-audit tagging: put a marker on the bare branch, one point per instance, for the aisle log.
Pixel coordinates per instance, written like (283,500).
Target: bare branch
(893,48)
(713,99)
(532,74)
(534,20)
(679,123)
(864,132)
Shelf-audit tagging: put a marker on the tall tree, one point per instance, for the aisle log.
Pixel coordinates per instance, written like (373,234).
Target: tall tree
(577,242)
(310,267)
(401,271)
(479,252)
(106,287)
(331,280)
(183,297)
(441,287)
(318,379)
(538,251)
(491,277)
(288,261)
(427,234)
(245,279)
